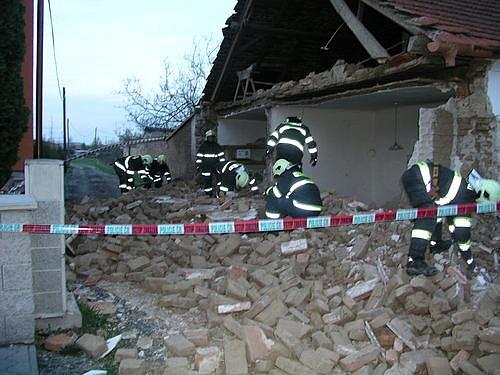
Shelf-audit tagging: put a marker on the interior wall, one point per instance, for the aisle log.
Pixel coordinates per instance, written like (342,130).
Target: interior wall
(240,132)
(354,157)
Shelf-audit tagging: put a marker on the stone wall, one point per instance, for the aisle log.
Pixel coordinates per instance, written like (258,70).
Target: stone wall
(152,148)
(180,152)
(17,322)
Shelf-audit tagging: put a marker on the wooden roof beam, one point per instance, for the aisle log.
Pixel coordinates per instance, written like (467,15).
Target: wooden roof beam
(367,40)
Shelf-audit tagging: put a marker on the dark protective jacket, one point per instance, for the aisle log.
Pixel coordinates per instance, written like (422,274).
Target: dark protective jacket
(452,188)
(227,172)
(289,139)
(158,171)
(131,164)
(209,155)
(296,194)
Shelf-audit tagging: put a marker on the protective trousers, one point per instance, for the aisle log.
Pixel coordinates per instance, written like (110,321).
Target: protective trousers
(430,229)
(125,176)
(208,174)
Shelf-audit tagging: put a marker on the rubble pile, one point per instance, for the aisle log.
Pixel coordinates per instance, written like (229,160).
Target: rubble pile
(325,301)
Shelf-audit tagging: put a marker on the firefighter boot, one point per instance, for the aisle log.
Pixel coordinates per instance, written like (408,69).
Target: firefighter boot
(417,266)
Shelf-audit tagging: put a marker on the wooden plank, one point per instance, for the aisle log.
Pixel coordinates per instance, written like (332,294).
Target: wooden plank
(371,45)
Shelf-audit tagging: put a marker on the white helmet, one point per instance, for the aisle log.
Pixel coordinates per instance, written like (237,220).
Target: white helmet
(489,191)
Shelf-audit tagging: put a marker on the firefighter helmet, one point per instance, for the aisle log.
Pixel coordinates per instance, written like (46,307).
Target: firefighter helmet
(280,166)
(242,179)
(489,191)
(210,133)
(147,159)
(162,159)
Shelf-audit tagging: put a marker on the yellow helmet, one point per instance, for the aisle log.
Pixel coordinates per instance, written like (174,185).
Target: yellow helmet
(280,166)
(147,159)
(162,159)
(489,191)
(242,179)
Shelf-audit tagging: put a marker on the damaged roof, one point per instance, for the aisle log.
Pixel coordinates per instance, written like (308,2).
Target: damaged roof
(470,22)
(286,40)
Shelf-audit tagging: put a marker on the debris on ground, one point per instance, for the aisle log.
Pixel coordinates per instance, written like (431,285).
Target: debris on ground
(325,301)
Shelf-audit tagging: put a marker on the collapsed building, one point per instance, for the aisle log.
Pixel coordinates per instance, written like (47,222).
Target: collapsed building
(380,84)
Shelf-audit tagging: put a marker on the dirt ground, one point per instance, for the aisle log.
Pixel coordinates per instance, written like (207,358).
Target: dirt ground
(84,180)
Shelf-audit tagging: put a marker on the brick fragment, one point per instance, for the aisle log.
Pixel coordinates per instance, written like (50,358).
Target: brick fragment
(132,366)
(92,345)
(180,346)
(297,329)
(489,363)
(362,357)
(340,315)
(403,331)
(235,357)
(138,264)
(317,360)
(438,366)
(199,337)
(362,290)
(294,247)
(56,343)
(233,326)
(460,357)
(256,343)
(293,367)
(123,353)
(234,307)
(206,360)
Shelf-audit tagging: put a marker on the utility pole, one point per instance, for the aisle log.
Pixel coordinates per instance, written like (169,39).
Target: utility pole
(95,137)
(39,78)
(69,139)
(64,119)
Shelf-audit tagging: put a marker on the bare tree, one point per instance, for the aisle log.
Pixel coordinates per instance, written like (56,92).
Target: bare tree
(179,92)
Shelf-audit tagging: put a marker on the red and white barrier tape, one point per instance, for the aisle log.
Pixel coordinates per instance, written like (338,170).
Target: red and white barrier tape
(252,226)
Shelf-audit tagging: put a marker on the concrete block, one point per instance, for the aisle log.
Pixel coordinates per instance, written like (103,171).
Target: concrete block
(16,302)
(46,258)
(71,319)
(340,315)
(16,276)
(48,304)
(58,342)
(42,241)
(469,369)
(235,357)
(47,281)
(19,328)
(16,250)
(44,179)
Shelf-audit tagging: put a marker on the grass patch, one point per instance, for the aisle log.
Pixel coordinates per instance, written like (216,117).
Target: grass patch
(95,163)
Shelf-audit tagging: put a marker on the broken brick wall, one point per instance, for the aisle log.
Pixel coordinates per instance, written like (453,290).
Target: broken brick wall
(463,132)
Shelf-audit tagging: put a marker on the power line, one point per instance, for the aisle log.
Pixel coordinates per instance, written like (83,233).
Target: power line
(54,50)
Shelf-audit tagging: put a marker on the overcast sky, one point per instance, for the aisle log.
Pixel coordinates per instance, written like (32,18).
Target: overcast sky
(101,43)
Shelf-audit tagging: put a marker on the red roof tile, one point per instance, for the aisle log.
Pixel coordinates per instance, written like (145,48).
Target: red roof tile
(474,22)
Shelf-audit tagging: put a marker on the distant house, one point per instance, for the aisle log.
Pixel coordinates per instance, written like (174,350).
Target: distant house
(381,84)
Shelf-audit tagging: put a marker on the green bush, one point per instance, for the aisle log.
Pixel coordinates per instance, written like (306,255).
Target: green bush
(13,111)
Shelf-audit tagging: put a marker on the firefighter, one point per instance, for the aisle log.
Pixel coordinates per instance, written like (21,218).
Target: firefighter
(209,155)
(233,176)
(157,171)
(289,139)
(428,184)
(127,166)
(293,194)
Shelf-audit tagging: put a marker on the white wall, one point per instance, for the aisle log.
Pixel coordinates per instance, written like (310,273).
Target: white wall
(240,132)
(494,87)
(354,159)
